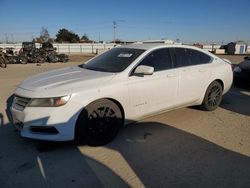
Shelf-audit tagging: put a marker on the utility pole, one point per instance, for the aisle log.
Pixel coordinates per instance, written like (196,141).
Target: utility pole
(114,28)
(12,39)
(6,37)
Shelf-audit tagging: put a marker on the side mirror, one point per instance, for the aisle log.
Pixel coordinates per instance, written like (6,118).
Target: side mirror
(144,70)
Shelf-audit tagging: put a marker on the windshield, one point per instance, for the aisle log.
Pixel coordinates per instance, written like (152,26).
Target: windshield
(115,60)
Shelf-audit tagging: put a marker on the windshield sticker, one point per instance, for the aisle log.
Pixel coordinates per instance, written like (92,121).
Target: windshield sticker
(125,55)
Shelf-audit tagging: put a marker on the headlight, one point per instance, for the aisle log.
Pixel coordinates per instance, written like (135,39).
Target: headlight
(49,102)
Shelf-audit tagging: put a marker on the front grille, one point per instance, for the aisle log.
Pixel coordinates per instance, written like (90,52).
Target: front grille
(20,103)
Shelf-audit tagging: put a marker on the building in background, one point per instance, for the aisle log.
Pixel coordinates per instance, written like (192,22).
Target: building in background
(240,47)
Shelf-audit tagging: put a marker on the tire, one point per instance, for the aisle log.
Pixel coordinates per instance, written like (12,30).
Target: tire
(212,97)
(40,60)
(98,123)
(3,64)
(23,60)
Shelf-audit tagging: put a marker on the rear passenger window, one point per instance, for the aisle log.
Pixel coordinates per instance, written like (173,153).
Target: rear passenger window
(196,57)
(159,59)
(205,58)
(188,57)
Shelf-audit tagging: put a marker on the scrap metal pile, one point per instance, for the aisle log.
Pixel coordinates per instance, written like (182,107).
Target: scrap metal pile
(30,54)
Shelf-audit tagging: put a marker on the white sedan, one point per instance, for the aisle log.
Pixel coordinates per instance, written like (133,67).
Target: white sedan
(92,101)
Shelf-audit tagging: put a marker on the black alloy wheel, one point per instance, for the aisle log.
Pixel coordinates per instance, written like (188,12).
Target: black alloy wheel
(99,123)
(212,97)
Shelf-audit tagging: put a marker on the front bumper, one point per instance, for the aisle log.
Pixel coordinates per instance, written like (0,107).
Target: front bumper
(47,123)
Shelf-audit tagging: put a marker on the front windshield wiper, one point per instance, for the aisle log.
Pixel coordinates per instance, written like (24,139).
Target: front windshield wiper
(95,69)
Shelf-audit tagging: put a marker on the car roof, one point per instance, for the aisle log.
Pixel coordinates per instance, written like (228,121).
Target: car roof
(148,46)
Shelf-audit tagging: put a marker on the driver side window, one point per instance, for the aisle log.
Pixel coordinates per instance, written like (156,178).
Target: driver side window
(159,59)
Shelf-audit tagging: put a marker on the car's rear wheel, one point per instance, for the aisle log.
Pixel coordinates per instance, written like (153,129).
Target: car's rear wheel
(98,123)
(212,97)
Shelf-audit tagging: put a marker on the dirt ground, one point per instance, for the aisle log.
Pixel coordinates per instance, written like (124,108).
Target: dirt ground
(181,148)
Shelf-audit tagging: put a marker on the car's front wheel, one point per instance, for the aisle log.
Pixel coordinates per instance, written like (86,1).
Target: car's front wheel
(212,97)
(98,123)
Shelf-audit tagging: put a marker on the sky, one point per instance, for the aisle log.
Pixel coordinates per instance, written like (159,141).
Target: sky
(188,20)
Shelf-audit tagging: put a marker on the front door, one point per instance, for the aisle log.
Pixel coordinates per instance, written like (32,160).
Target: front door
(152,93)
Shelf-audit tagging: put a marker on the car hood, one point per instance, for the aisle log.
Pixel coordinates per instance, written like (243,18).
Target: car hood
(63,81)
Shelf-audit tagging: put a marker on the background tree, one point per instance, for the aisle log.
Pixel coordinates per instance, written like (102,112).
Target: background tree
(44,35)
(85,39)
(65,35)
(38,40)
(117,41)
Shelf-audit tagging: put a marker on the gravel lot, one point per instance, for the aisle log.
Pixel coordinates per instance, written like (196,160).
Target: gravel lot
(181,148)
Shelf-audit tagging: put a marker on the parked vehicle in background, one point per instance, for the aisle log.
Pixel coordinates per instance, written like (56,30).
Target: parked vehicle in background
(30,54)
(242,73)
(10,56)
(92,101)
(47,50)
(48,47)
(52,58)
(247,58)
(50,54)
(63,58)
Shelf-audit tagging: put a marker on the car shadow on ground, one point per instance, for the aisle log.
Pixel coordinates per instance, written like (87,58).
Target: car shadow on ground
(237,101)
(157,154)
(31,163)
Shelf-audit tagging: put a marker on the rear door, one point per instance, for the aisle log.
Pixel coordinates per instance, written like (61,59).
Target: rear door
(194,73)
